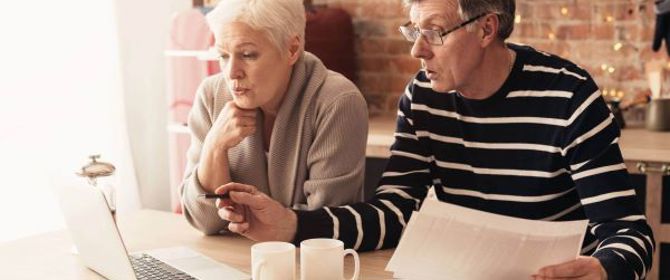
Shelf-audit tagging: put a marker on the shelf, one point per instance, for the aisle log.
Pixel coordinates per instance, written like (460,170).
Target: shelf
(204,55)
(178,128)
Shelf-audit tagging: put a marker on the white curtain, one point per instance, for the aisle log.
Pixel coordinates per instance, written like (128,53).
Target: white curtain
(60,100)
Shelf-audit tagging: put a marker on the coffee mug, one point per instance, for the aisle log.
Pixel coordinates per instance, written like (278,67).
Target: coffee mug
(323,259)
(273,261)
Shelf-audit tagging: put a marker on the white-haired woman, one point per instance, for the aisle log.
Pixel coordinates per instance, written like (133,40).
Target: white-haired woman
(274,118)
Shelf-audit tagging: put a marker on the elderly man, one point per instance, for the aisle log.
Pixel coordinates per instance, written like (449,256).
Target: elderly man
(492,126)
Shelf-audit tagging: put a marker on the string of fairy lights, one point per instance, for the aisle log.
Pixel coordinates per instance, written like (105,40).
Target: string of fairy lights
(636,9)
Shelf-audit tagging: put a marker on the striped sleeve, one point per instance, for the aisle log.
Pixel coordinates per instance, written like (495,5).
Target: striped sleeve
(379,222)
(591,148)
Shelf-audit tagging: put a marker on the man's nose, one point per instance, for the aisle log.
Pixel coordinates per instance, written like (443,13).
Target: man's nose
(421,48)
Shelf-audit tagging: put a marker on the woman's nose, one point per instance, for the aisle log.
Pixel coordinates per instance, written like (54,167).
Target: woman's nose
(234,70)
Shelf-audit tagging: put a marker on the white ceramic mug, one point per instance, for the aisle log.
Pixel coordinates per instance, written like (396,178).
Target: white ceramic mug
(323,259)
(273,261)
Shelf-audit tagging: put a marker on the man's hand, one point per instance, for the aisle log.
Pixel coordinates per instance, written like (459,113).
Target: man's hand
(583,268)
(255,215)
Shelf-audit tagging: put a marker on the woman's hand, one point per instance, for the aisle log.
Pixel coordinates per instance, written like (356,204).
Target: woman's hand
(227,131)
(231,127)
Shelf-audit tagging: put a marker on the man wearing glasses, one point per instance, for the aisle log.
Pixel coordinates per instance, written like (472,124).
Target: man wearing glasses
(492,126)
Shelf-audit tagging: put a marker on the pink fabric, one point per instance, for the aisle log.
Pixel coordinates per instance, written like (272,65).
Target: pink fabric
(188,31)
(212,66)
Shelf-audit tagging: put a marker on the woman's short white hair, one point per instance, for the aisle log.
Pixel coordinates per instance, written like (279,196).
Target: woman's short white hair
(281,20)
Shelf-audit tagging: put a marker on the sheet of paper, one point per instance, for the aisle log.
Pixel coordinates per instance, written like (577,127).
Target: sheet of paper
(445,241)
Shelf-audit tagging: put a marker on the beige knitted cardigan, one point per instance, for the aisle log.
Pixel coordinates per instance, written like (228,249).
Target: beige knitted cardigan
(317,149)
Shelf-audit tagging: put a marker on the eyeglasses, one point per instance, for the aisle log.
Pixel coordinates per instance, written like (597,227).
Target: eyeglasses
(433,37)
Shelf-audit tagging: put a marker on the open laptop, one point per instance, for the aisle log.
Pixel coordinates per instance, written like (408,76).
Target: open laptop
(101,248)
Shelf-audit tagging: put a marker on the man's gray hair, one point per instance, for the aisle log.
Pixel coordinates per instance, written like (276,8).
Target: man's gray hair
(505,9)
(281,20)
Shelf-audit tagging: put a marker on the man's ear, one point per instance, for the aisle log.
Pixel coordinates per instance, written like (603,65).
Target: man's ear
(294,50)
(489,25)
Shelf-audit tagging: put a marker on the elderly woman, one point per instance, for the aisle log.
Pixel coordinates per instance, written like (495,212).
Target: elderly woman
(274,118)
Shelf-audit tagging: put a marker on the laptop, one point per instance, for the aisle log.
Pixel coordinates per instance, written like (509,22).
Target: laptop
(101,248)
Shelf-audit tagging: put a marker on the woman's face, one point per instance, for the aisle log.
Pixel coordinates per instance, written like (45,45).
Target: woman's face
(256,72)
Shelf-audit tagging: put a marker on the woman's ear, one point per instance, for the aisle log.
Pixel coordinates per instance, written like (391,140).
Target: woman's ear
(490,26)
(294,50)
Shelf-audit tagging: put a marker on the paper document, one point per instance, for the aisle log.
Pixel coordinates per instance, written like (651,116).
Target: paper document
(446,241)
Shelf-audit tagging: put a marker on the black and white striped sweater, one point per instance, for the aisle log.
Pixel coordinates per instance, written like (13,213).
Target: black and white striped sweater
(543,147)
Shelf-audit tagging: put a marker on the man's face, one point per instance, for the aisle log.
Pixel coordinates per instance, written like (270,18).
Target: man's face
(450,65)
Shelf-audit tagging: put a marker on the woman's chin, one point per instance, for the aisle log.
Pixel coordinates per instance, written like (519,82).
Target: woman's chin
(244,103)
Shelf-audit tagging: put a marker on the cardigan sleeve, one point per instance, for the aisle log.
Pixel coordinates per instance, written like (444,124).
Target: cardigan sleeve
(200,213)
(336,157)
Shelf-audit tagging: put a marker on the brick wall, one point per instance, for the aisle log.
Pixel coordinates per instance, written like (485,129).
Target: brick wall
(584,31)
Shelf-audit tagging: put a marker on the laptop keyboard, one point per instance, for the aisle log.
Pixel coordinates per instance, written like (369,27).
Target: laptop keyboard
(149,268)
